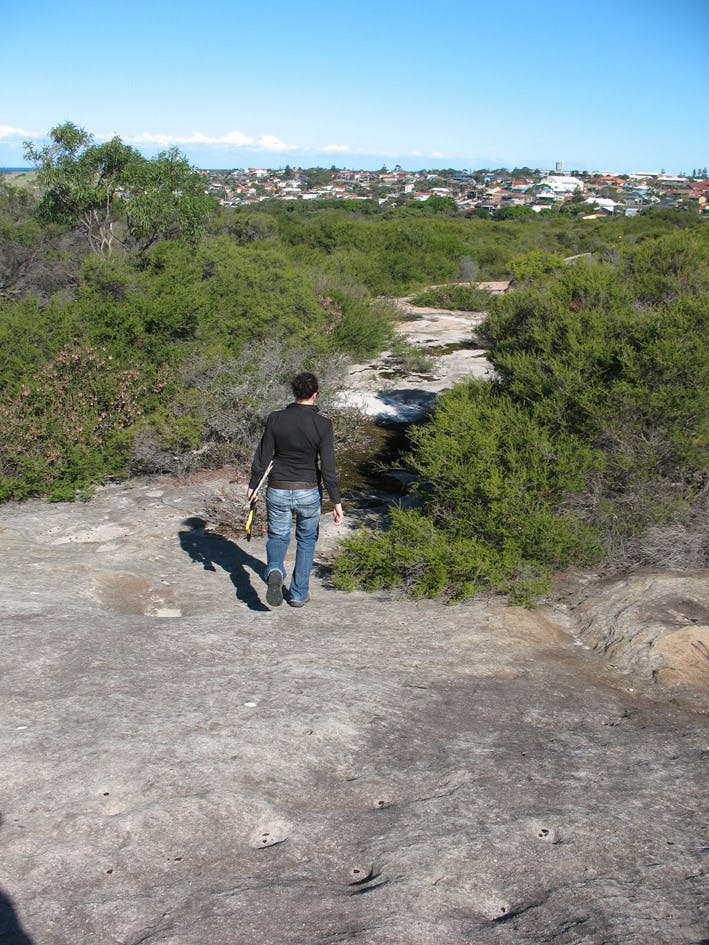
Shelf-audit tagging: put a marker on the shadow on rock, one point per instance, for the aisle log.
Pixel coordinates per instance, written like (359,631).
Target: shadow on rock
(212,551)
(11,932)
(407,403)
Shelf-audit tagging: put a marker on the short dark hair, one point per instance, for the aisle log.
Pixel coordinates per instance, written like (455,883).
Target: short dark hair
(304,385)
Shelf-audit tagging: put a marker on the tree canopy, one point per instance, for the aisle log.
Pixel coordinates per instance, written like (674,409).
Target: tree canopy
(113,194)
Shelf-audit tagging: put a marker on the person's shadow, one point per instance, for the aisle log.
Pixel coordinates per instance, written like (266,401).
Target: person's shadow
(11,932)
(212,550)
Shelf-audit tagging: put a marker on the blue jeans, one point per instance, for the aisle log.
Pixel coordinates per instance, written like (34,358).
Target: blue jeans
(281,504)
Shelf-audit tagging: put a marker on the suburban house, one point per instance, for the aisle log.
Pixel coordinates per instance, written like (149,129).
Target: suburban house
(560,185)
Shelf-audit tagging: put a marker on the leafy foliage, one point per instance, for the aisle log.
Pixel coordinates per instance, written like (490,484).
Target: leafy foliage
(63,428)
(164,199)
(217,305)
(86,185)
(593,434)
(80,181)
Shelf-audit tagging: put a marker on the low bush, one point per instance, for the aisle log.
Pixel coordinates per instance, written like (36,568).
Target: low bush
(537,262)
(67,426)
(408,358)
(307,280)
(217,413)
(492,483)
(362,327)
(466,298)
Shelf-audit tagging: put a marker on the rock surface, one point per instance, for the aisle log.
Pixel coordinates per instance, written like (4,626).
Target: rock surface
(377,389)
(651,625)
(183,765)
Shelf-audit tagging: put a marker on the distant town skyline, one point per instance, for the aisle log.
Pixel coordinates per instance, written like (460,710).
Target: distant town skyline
(498,194)
(619,88)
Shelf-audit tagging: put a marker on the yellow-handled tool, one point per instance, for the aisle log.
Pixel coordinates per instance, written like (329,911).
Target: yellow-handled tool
(252,502)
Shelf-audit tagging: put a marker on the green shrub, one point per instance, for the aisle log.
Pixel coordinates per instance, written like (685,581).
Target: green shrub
(222,294)
(25,340)
(166,442)
(363,327)
(588,349)
(533,264)
(410,358)
(492,483)
(65,427)
(466,298)
(423,560)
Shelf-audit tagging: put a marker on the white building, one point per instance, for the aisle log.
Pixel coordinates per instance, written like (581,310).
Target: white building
(605,203)
(563,185)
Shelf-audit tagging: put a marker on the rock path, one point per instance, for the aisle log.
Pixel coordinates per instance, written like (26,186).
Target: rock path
(378,389)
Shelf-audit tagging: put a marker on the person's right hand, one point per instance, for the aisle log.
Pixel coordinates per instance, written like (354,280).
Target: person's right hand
(337,515)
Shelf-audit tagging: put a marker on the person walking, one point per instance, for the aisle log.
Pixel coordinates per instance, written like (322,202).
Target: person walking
(300,442)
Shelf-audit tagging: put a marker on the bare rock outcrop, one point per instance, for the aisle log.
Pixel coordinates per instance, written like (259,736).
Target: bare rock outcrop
(183,765)
(651,626)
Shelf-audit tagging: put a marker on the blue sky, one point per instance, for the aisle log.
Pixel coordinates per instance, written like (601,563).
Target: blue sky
(604,86)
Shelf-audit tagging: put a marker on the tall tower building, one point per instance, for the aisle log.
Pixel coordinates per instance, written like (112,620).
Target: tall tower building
(559,167)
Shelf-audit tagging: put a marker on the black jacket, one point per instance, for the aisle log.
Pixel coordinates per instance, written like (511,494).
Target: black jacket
(300,443)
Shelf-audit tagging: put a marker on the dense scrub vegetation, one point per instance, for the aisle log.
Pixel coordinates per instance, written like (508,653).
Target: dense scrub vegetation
(165,354)
(590,443)
(178,315)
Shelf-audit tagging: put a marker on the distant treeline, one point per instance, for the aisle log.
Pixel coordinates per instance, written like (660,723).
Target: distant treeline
(163,352)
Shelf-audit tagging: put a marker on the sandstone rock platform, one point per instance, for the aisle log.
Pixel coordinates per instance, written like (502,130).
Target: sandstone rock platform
(183,765)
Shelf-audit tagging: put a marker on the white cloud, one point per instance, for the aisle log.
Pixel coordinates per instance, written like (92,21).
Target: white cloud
(147,137)
(7,131)
(271,143)
(236,137)
(233,138)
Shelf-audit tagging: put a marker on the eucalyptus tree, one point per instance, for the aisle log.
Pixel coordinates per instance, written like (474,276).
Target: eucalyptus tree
(165,199)
(81,181)
(113,194)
